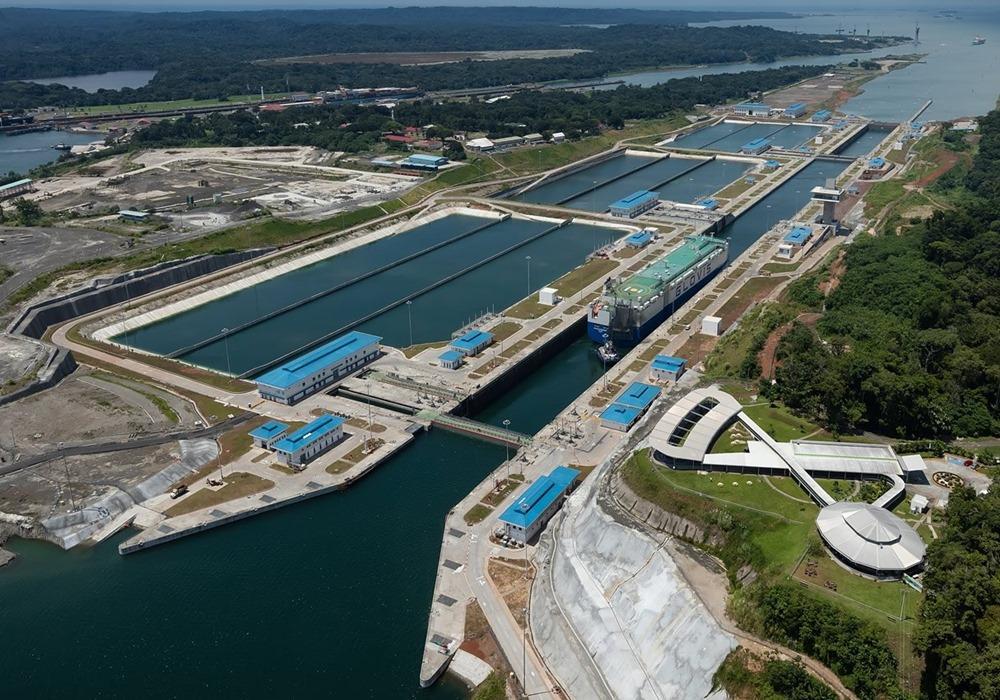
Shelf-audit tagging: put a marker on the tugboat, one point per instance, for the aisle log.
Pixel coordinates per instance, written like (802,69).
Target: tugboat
(62,147)
(608,353)
(978,41)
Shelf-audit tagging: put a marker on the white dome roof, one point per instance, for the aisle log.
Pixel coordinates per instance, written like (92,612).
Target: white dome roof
(870,537)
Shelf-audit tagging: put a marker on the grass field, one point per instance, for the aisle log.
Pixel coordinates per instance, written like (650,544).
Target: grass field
(131,107)
(779,422)
(237,485)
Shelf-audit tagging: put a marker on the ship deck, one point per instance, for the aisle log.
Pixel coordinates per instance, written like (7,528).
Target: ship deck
(651,279)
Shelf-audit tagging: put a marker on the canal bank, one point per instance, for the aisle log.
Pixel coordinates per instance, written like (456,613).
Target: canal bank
(295,576)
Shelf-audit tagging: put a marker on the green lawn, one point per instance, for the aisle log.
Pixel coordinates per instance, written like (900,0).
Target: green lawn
(779,422)
(125,109)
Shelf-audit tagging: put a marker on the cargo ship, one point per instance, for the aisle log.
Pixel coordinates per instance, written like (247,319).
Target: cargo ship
(630,307)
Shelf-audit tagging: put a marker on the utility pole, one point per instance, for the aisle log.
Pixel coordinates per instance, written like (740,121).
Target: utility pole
(69,490)
(528,258)
(409,318)
(225,337)
(506,447)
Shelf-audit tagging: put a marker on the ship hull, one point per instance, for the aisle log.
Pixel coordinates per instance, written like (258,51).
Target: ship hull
(600,333)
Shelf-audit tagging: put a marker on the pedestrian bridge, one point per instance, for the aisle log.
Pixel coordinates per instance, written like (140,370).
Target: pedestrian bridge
(474,428)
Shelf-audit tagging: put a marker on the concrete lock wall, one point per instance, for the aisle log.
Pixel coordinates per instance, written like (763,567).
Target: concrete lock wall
(59,366)
(36,319)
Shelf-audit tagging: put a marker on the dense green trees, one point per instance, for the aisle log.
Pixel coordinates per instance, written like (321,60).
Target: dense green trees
(910,342)
(352,128)
(211,55)
(853,648)
(959,630)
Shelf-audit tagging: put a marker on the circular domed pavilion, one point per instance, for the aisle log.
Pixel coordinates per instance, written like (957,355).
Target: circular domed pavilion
(871,539)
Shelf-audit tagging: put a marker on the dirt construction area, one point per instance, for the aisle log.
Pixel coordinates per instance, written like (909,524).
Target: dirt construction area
(200,189)
(88,407)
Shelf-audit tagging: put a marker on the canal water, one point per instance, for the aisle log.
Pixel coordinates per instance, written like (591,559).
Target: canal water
(652,177)
(703,182)
(324,598)
(435,314)
(575,184)
(23,152)
(962,79)
(781,204)
(114,80)
(730,137)
(864,143)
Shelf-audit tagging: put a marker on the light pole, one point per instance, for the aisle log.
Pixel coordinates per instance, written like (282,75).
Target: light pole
(69,489)
(368,392)
(506,448)
(225,337)
(528,258)
(409,318)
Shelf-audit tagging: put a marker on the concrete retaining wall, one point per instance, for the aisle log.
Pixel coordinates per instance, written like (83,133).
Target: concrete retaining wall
(37,319)
(60,365)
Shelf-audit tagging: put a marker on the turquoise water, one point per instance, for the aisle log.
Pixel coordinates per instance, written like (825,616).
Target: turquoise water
(864,143)
(706,180)
(23,152)
(649,178)
(435,314)
(584,180)
(328,598)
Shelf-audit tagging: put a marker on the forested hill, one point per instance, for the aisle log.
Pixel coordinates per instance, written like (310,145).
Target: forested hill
(352,128)
(213,55)
(910,341)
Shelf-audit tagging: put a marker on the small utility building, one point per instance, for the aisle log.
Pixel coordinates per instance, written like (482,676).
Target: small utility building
(133,216)
(666,368)
(639,239)
(451,359)
(420,161)
(266,435)
(311,440)
(629,406)
(528,514)
(316,369)
(822,116)
(794,241)
(635,204)
(472,343)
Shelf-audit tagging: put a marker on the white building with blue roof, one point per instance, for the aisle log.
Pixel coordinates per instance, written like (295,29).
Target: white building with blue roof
(666,368)
(634,204)
(310,441)
(266,435)
(629,406)
(472,342)
(524,518)
(318,368)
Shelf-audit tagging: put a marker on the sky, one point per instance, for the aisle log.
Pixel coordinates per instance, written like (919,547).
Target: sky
(811,6)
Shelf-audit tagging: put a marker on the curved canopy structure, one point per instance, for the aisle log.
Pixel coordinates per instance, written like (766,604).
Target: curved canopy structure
(870,539)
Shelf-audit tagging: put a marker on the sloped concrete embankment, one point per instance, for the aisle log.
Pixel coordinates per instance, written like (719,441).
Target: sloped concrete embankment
(613,615)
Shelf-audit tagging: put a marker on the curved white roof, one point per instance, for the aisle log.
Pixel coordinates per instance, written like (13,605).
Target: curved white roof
(870,537)
(689,427)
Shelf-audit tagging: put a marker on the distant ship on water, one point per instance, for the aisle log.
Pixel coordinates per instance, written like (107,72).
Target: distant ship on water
(978,41)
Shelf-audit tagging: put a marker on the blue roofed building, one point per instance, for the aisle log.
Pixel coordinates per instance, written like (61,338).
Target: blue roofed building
(795,110)
(639,239)
(666,368)
(755,147)
(472,342)
(794,241)
(308,373)
(266,435)
(451,359)
(13,189)
(629,406)
(634,204)
(822,116)
(709,203)
(311,440)
(421,161)
(526,516)
(772,164)
(752,109)
(876,167)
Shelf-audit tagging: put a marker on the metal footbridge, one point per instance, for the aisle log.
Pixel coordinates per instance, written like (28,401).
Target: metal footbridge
(474,428)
